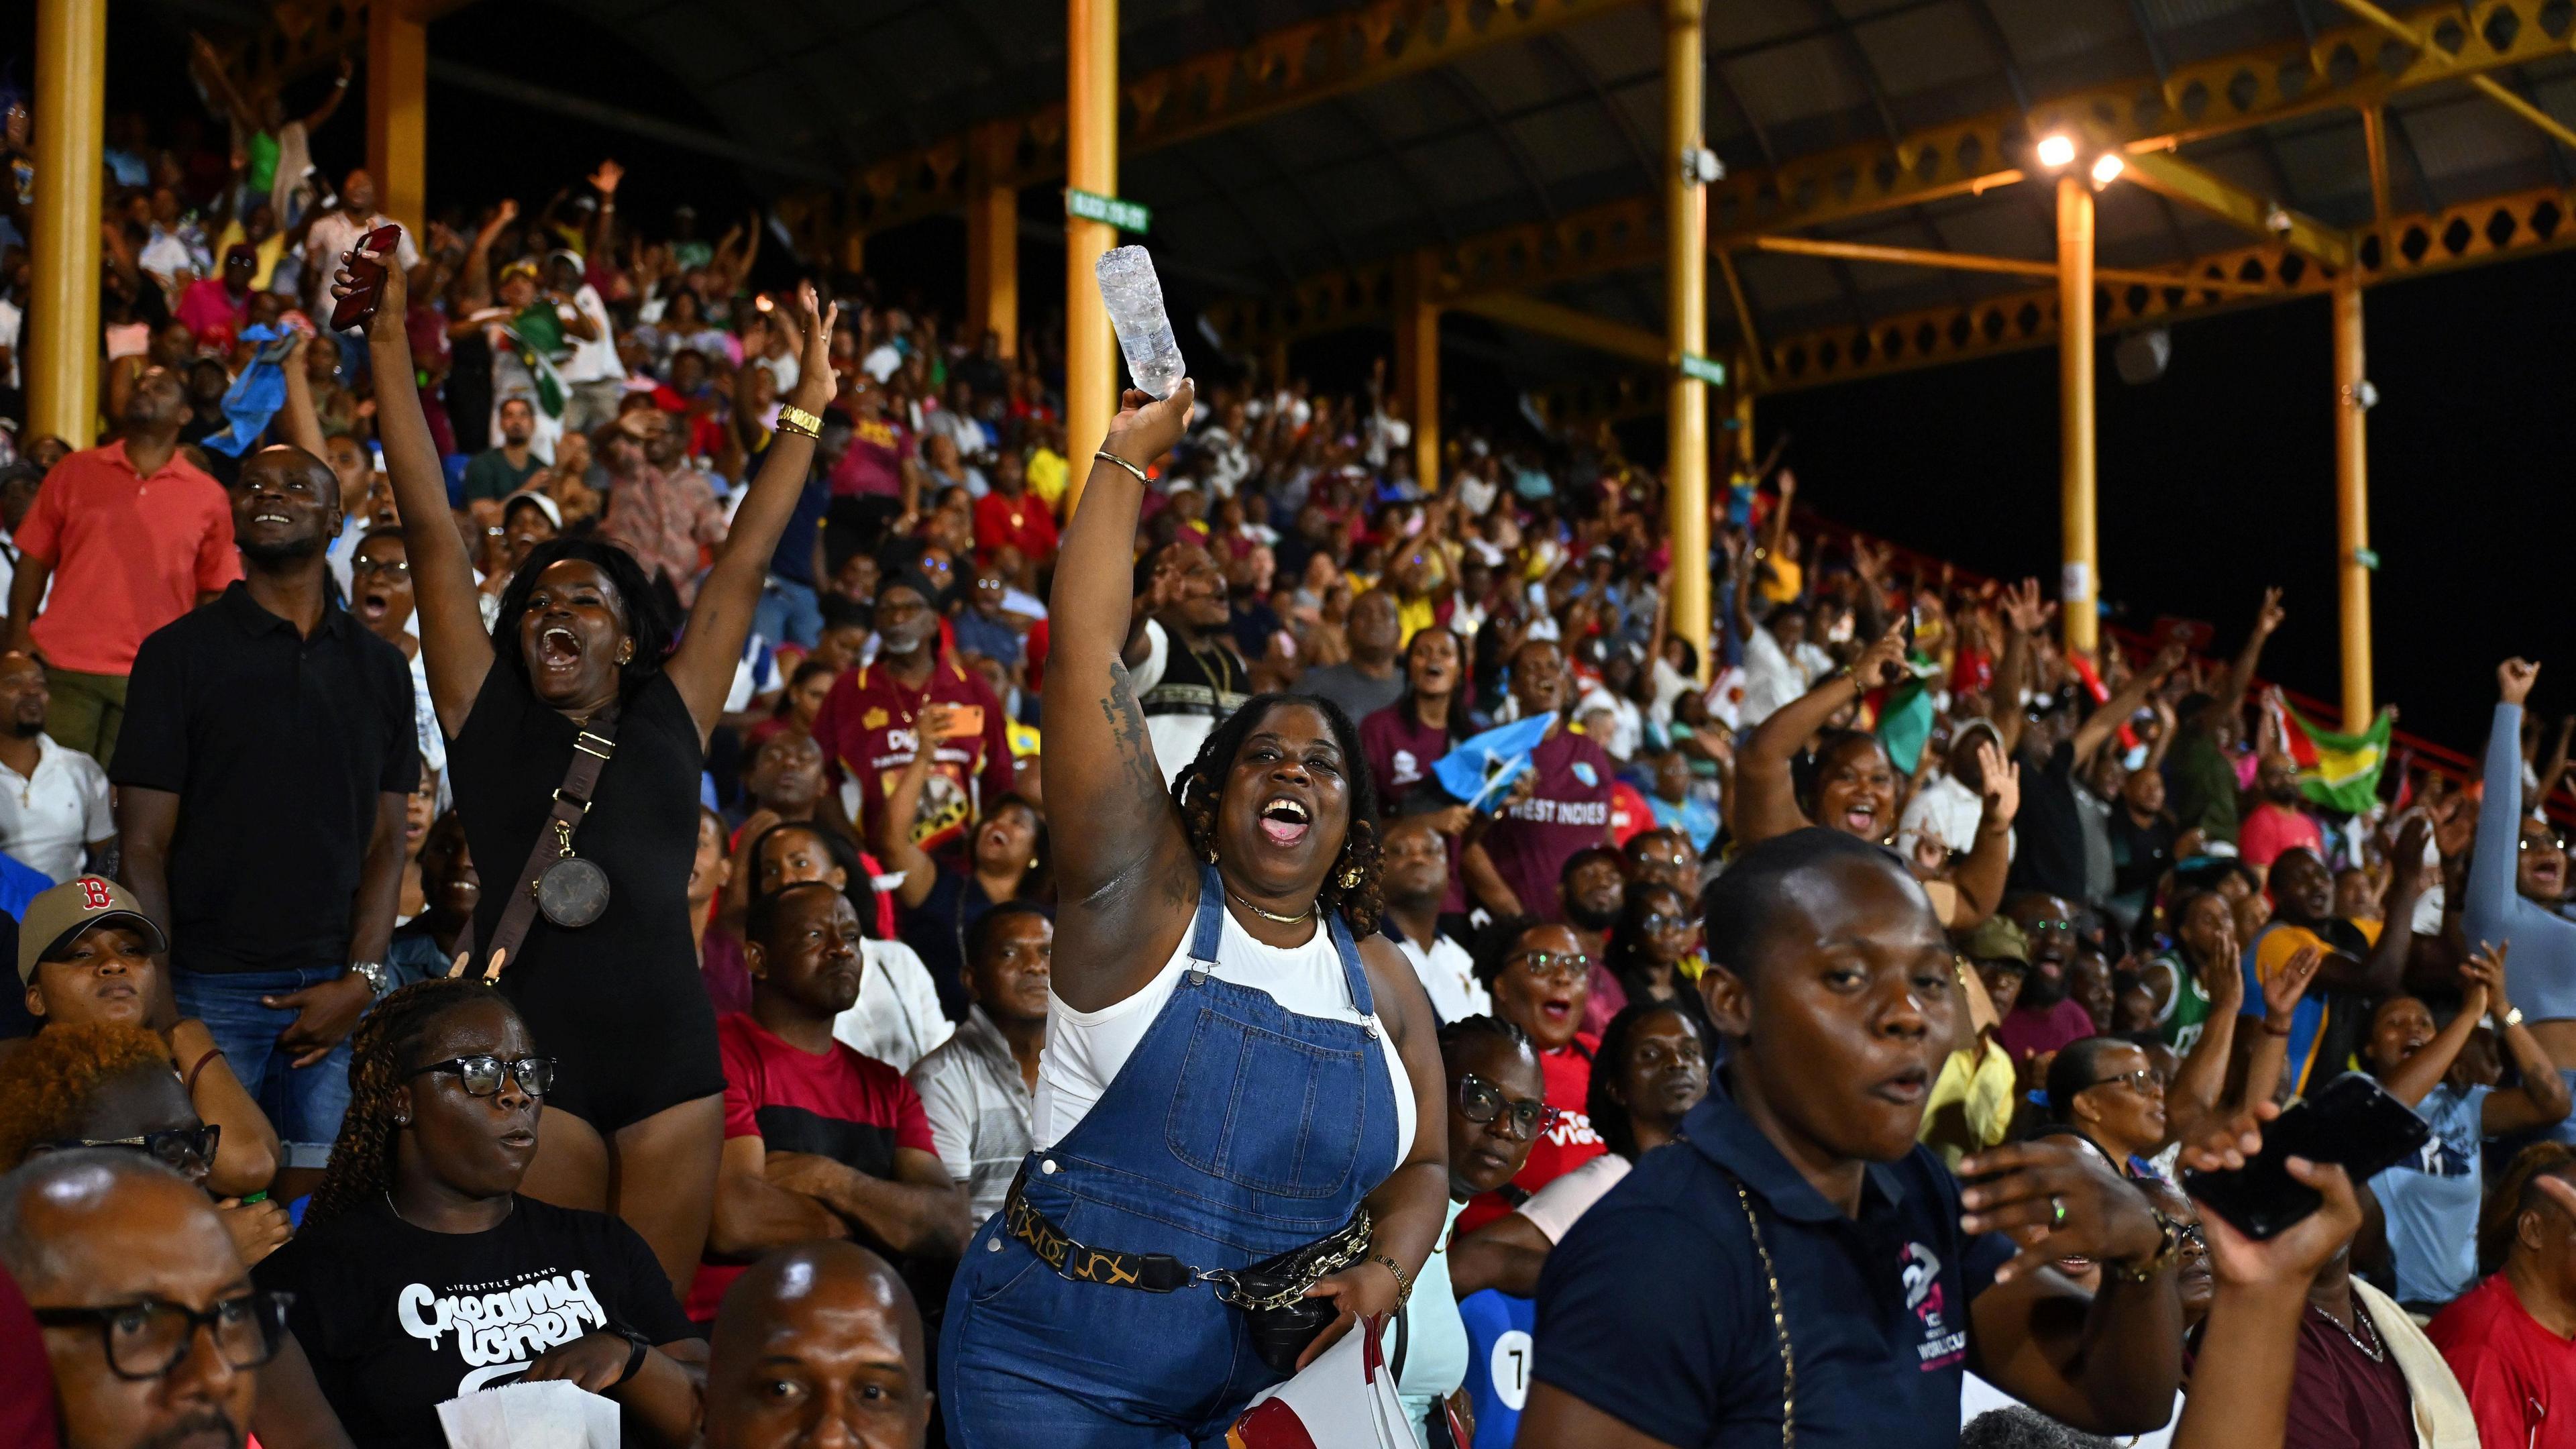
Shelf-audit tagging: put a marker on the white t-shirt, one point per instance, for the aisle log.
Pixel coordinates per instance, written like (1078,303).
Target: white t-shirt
(1772,677)
(593,359)
(45,821)
(1553,1208)
(12,326)
(1176,737)
(331,235)
(896,1019)
(1976,1396)
(1085,1049)
(1448,975)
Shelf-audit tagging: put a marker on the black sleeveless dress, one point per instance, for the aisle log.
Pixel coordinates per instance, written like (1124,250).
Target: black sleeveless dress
(617,1002)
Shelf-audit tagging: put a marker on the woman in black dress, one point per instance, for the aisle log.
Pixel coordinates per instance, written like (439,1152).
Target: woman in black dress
(636,1120)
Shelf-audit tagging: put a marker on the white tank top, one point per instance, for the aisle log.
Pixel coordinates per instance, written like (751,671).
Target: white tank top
(1085,1049)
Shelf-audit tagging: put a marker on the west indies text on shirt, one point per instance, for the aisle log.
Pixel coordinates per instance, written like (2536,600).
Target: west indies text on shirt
(1568,809)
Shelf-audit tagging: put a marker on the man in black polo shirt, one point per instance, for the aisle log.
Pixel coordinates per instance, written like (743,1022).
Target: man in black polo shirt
(1798,1221)
(262,781)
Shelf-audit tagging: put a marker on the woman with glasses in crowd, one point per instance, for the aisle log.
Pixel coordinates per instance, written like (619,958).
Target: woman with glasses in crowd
(1540,980)
(421,1272)
(1655,936)
(2106,1094)
(1652,1069)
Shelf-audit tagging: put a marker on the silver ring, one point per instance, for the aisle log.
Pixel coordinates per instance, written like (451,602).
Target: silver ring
(2056,1211)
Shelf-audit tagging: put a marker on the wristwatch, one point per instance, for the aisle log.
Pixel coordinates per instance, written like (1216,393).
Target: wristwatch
(2168,1252)
(379,980)
(2511,1018)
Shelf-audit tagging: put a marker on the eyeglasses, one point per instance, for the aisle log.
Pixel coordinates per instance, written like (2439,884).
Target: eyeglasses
(1555,965)
(2195,1238)
(380,565)
(2143,1081)
(147,1339)
(179,1147)
(1663,921)
(2048,928)
(1481,1101)
(535,1075)
(2554,842)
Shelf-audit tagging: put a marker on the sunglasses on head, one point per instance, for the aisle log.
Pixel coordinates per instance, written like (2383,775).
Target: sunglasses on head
(482,1074)
(177,1147)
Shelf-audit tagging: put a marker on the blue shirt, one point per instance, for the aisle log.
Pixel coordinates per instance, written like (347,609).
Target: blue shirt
(2432,1199)
(1656,1308)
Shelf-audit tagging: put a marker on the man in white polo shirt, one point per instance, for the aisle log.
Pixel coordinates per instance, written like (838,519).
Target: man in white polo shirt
(53,798)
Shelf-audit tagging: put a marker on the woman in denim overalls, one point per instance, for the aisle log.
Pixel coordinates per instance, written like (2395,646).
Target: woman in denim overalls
(1234,1129)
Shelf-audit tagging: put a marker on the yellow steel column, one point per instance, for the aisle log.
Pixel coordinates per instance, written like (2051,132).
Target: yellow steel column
(1417,362)
(1091,164)
(398,112)
(59,355)
(2352,502)
(1686,322)
(2080,585)
(992,246)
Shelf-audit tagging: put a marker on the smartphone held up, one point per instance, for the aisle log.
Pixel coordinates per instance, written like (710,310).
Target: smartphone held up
(2353,1123)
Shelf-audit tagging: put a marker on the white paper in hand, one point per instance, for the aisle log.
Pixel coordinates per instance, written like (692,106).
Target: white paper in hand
(554,1414)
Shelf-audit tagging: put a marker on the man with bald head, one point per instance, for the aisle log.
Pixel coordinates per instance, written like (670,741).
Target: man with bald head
(814,1338)
(130,536)
(152,1327)
(261,793)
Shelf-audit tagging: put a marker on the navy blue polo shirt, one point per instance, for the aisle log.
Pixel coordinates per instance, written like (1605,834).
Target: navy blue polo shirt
(1656,1311)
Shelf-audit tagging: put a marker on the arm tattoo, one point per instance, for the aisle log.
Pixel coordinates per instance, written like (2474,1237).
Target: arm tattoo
(1135,750)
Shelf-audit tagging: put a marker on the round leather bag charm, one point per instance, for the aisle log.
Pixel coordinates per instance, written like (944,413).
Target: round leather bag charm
(573,892)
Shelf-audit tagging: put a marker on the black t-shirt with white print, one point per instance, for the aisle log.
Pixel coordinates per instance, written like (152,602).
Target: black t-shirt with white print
(398,1320)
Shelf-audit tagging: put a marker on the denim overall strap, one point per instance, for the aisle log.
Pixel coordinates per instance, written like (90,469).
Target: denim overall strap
(1208,927)
(1354,975)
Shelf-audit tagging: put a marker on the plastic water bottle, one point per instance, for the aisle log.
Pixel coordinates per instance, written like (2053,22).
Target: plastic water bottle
(1135,301)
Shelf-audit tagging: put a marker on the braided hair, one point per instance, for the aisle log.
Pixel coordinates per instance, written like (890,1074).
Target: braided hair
(380,1051)
(1351,884)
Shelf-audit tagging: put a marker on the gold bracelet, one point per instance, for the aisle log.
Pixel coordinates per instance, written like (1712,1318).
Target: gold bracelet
(793,419)
(1403,1282)
(1106,456)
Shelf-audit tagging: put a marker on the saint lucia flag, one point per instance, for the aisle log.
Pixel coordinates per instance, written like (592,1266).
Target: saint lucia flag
(1483,767)
(2338,771)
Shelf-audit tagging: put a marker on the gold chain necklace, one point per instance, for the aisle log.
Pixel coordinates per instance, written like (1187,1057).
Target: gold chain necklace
(1272,916)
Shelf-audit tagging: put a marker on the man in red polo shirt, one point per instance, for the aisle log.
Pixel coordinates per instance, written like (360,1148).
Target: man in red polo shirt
(868,723)
(131,536)
(1012,517)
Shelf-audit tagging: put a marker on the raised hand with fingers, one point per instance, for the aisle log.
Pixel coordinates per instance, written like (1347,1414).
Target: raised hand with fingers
(2514,678)
(2282,994)
(1882,663)
(2023,608)
(2071,1191)
(2003,785)
(2269,617)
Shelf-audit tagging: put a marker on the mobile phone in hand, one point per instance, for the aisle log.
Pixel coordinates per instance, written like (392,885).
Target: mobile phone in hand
(965,721)
(2353,1123)
(355,308)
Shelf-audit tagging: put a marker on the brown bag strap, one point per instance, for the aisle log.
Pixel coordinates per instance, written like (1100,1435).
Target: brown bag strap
(591,751)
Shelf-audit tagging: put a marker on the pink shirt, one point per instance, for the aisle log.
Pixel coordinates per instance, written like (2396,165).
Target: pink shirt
(2269,830)
(129,554)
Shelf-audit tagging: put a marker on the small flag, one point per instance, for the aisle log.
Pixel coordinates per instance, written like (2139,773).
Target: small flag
(1905,716)
(2338,771)
(1482,768)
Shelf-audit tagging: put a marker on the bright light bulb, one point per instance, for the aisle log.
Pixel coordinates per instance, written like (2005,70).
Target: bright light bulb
(2108,168)
(2056,151)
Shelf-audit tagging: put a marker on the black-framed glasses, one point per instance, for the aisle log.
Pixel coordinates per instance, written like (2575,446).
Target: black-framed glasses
(2143,1081)
(2049,928)
(1663,921)
(179,1147)
(148,1338)
(535,1075)
(380,566)
(1555,965)
(1481,1101)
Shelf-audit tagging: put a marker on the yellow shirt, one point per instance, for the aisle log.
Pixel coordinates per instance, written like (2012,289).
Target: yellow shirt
(1047,472)
(270,249)
(1787,578)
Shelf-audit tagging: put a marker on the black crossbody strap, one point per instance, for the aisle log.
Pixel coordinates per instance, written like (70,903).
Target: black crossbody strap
(591,751)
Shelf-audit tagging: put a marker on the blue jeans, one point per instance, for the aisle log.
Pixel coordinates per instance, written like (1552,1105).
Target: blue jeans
(1237,1130)
(787,614)
(304,1104)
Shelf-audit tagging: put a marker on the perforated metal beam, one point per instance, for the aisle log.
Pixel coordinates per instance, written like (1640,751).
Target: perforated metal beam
(2350,66)
(2203,190)
(1280,70)
(1568,325)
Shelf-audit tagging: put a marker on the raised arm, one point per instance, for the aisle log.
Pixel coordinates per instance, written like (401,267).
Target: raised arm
(2488,912)
(2098,727)
(1125,878)
(1762,770)
(301,424)
(894,842)
(2542,1099)
(2240,675)
(2419,1074)
(703,666)
(456,650)
(2024,614)
(331,99)
(1981,876)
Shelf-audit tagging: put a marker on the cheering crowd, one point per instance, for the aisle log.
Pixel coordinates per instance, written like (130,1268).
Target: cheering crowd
(536,827)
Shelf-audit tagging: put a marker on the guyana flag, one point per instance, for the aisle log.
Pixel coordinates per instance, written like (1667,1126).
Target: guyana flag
(2338,771)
